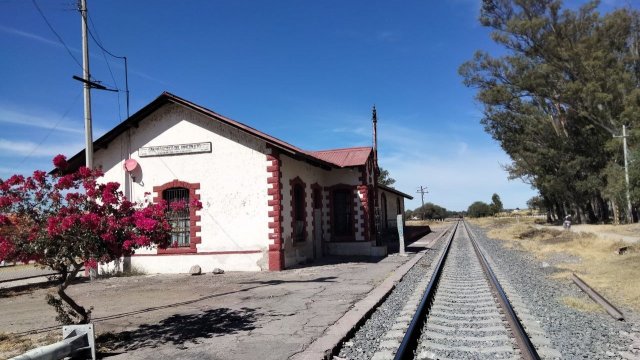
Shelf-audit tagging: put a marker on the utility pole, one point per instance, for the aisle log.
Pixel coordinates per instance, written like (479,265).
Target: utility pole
(422,191)
(87,87)
(626,171)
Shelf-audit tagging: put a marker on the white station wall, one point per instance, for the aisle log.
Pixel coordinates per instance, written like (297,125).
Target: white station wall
(232,178)
(298,252)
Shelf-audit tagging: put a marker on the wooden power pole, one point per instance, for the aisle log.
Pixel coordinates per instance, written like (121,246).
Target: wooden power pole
(88,130)
(422,191)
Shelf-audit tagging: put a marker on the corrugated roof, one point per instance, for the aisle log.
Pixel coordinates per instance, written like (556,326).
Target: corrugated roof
(356,156)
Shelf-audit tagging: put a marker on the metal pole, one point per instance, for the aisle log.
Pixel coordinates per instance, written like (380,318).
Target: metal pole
(87,87)
(626,172)
(422,192)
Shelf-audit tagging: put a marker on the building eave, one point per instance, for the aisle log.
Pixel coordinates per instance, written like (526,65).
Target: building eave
(392,190)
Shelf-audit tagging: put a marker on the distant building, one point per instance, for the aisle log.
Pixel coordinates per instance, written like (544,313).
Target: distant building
(267,204)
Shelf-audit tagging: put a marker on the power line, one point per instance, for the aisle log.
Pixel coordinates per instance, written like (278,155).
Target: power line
(104,52)
(55,126)
(126,66)
(55,33)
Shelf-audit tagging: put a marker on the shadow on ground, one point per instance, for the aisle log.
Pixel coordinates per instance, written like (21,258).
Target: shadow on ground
(324,279)
(180,328)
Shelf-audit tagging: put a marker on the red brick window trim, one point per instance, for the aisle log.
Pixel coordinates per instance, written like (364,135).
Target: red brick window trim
(298,193)
(194,219)
(316,204)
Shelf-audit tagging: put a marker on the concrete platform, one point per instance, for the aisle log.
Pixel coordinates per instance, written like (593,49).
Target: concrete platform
(266,315)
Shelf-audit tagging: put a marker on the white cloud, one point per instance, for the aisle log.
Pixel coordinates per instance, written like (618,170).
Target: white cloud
(40,120)
(31,36)
(10,148)
(456,181)
(457,167)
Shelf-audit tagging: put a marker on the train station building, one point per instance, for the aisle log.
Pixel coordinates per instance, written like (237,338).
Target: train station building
(266,204)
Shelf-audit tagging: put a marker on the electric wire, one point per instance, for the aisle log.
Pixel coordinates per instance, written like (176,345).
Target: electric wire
(51,129)
(55,33)
(97,41)
(104,56)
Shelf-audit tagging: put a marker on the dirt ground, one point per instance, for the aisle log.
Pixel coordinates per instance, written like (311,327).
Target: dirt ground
(607,257)
(266,315)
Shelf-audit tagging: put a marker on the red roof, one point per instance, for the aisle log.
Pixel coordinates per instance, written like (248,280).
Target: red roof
(355,156)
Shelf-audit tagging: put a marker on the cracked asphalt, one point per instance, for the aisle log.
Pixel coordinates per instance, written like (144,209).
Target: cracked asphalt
(265,315)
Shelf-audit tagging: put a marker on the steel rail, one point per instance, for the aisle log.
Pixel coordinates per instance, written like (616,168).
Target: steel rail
(527,349)
(410,340)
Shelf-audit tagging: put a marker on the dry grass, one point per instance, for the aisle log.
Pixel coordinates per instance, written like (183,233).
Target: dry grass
(614,276)
(580,304)
(12,345)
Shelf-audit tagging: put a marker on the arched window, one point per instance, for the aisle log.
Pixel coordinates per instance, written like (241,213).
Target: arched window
(299,212)
(177,199)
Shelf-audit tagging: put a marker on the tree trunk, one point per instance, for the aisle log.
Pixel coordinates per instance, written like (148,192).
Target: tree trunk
(603,210)
(591,212)
(616,213)
(85,316)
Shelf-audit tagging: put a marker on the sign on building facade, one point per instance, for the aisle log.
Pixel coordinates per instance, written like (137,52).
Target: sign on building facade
(178,149)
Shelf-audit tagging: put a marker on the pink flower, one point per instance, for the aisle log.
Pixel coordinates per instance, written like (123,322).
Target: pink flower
(40,176)
(146,224)
(108,237)
(60,162)
(128,244)
(91,220)
(84,172)
(141,240)
(196,204)
(6,248)
(65,182)
(91,264)
(178,205)
(109,193)
(52,226)
(68,222)
(4,220)
(15,180)
(6,201)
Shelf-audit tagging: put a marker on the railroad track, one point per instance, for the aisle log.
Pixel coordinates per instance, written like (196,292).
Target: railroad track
(462,312)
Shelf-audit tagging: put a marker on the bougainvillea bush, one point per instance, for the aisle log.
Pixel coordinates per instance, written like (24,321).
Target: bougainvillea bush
(64,221)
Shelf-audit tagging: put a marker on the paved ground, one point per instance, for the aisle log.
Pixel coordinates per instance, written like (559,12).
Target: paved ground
(267,315)
(10,272)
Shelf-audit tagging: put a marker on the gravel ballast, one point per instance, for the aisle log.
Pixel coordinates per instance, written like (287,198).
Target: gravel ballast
(576,334)
(365,341)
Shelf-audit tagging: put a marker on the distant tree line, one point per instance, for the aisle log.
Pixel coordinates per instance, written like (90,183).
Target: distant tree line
(568,82)
(482,209)
(430,211)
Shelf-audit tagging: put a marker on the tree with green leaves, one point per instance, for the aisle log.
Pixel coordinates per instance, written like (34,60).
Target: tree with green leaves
(432,211)
(384,178)
(568,81)
(479,209)
(496,204)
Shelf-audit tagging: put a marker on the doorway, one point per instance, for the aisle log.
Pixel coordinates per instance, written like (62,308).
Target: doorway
(342,217)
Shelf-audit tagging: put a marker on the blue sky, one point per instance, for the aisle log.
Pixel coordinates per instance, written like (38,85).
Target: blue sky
(307,72)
